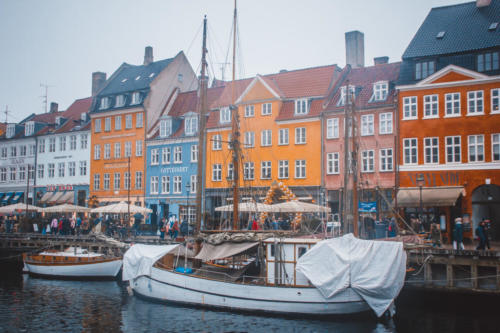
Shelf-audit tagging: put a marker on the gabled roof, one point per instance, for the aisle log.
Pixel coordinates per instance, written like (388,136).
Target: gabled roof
(363,79)
(47,118)
(78,107)
(465,29)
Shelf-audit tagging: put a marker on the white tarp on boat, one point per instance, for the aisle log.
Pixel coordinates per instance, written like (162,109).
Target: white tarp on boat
(139,259)
(374,269)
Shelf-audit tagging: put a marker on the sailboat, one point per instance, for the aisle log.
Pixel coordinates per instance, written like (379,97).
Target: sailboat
(268,274)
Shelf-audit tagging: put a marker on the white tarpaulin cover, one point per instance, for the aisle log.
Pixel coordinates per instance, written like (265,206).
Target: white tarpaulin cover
(374,269)
(139,259)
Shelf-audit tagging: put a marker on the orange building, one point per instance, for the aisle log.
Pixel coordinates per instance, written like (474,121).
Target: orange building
(449,149)
(280,135)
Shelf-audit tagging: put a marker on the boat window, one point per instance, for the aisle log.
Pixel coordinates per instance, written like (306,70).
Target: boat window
(272,250)
(302,250)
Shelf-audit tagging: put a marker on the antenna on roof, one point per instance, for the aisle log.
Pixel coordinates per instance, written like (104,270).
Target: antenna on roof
(6,113)
(45,99)
(223,68)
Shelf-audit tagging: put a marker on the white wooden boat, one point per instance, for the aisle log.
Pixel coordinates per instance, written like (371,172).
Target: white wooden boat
(72,263)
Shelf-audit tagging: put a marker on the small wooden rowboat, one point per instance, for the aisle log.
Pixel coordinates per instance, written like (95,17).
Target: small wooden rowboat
(72,263)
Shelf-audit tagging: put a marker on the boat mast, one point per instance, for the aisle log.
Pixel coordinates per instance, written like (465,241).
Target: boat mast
(235,134)
(354,159)
(202,133)
(345,196)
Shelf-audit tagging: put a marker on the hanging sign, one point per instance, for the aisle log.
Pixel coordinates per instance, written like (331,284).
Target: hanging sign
(367,207)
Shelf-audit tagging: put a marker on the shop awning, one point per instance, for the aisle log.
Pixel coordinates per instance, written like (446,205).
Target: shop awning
(431,196)
(17,197)
(7,197)
(46,197)
(55,197)
(66,197)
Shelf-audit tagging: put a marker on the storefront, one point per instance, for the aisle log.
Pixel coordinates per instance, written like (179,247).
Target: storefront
(52,195)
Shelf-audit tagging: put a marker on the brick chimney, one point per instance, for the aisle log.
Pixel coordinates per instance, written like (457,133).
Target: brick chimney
(380,60)
(53,107)
(98,80)
(148,55)
(355,48)
(482,3)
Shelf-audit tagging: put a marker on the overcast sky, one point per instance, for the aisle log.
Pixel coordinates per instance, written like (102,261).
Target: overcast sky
(60,42)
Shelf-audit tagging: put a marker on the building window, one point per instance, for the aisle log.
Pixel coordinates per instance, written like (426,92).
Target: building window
(128,121)
(424,69)
(107,151)
(452,102)
(431,106)
(136,98)
(332,163)
(107,124)
(367,124)
(13,150)
(106,181)
(29,128)
(165,155)
(12,173)
(342,99)
(283,169)
(191,125)
(385,123)
(225,115)
(301,106)
(266,138)
(155,157)
(248,171)
(118,150)
(266,109)
(128,149)
(60,167)
(83,141)
(249,139)
(332,128)
(249,111)
(495,100)
(283,136)
(117,181)
(4,153)
(154,185)
(138,179)
(410,149)
(22,151)
(22,172)
(194,153)
(97,181)
(475,102)
(11,131)
(72,142)
(386,159)
(104,103)
(83,168)
(495,147)
(487,61)
(265,170)
(216,172)
(32,150)
(3,174)
(138,148)
(453,149)
(31,171)
(51,170)
(368,160)
(217,142)
(41,169)
(194,184)
(410,107)
(300,168)
(476,148)
(62,143)
(97,152)
(300,135)
(97,125)
(165,127)
(41,147)
(139,120)
(72,169)
(431,150)
(178,154)
(52,145)
(118,123)
(177,184)
(380,91)
(126,180)
(230,171)
(165,184)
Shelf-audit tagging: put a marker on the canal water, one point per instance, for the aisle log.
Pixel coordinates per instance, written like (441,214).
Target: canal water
(37,305)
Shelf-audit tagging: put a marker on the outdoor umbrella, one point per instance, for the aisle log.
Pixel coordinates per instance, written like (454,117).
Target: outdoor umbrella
(121,208)
(295,206)
(247,207)
(19,207)
(66,208)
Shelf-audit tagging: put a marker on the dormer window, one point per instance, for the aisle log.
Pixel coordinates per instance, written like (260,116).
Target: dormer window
(58,121)
(83,117)
(136,98)
(342,99)
(11,130)
(423,69)
(120,101)
(225,115)
(191,125)
(165,127)
(104,103)
(301,106)
(180,77)
(380,91)
(29,128)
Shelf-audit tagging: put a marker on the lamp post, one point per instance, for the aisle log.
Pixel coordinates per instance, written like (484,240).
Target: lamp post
(421,183)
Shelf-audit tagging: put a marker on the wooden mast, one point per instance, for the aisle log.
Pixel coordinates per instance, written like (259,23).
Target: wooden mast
(202,133)
(235,134)
(345,194)
(354,158)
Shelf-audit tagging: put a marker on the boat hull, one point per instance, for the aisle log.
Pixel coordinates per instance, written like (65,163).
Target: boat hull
(106,269)
(168,286)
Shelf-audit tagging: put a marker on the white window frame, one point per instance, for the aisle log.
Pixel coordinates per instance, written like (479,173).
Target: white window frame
(117,153)
(83,141)
(177,154)
(117,181)
(97,152)
(332,163)
(72,169)
(410,108)
(97,181)
(342,99)
(385,123)
(474,103)
(380,91)
(386,159)
(410,151)
(284,136)
(61,169)
(138,180)
(266,138)
(177,185)
(193,184)
(165,184)
(249,111)
(248,171)
(104,103)
(128,121)
(106,181)
(249,141)
(495,100)
(368,161)
(165,127)
(495,145)
(300,169)
(431,150)
(283,169)
(225,115)
(107,124)
(126,180)
(107,151)
(301,106)
(83,168)
(194,153)
(265,170)
(217,142)
(266,109)
(475,145)
(452,105)
(154,184)
(216,172)
(300,136)
(191,125)
(166,155)
(40,167)
(127,151)
(230,171)
(118,123)
(453,146)
(155,156)
(51,170)
(138,147)
(41,147)
(62,143)
(136,98)
(332,128)
(367,124)
(139,120)
(431,106)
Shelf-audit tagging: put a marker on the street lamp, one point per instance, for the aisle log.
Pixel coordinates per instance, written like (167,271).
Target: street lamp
(421,183)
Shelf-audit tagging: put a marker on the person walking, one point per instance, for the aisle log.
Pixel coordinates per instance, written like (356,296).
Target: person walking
(53,226)
(481,234)
(487,226)
(458,235)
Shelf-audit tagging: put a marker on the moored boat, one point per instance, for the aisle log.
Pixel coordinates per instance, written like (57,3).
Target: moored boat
(73,263)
